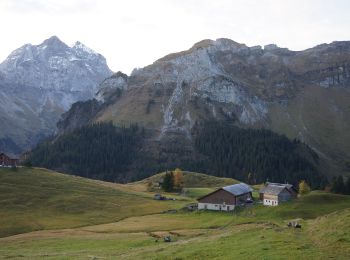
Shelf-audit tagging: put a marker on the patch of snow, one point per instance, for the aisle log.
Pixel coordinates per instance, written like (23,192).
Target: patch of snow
(214,111)
(79,46)
(73,58)
(189,119)
(42,47)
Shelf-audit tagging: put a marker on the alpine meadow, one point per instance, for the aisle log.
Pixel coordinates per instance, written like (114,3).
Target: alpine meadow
(206,130)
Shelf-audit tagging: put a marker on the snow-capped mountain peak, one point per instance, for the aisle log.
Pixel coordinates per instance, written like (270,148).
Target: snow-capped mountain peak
(44,80)
(54,65)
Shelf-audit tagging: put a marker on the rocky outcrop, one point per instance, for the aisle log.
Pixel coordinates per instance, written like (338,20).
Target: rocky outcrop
(112,86)
(80,114)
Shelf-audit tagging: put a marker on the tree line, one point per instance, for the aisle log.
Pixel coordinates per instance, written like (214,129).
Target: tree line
(107,152)
(173,180)
(98,151)
(256,155)
(340,186)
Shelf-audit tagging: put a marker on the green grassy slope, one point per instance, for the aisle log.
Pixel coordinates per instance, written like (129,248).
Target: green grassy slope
(197,192)
(36,199)
(256,233)
(332,231)
(318,116)
(246,241)
(191,180)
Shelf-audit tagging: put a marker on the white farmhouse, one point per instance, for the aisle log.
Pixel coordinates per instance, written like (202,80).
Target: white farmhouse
(274,193)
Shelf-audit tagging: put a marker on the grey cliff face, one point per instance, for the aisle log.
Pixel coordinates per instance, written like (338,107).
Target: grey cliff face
(230,78)
(39,82)
(116,83)
(302,94)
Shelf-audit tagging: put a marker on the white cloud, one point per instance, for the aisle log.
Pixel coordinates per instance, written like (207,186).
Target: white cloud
(134,33)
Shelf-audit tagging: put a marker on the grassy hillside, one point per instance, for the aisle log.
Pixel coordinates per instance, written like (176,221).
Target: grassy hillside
(332,231)
(191,180)
(255,233)
(318,116)
(36,199)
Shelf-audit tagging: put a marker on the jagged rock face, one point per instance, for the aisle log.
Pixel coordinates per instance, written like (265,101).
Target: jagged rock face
(166,91)
(39,82)
(55,66)
(231,79)
(108,88)
(302,94)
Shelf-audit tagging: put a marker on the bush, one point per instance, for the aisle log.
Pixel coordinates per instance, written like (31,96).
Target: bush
(304,188)
(28,164)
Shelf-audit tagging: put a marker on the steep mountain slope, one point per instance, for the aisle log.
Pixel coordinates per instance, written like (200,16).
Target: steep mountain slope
(38,83)
(304,94)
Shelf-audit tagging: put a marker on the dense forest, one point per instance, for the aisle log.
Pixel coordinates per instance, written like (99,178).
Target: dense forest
(99,151)
(104,151)
(340,186)
(256,155)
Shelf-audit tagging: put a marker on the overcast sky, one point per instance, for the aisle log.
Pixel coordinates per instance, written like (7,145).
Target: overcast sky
(134,33)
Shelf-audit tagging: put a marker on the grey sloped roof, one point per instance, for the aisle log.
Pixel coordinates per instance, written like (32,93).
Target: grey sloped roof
(275,188)
(238,189)
(10,155)
(288,186)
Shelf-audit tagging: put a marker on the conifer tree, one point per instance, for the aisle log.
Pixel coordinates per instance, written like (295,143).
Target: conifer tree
(250,178)
(338,185)
(347,186)
(168,182)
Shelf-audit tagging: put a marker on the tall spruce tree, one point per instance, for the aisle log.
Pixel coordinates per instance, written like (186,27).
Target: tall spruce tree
(168,182)
(338,185)
(347,187)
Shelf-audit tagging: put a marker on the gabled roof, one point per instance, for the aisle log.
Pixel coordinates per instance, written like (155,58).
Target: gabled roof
(288,186)
(238,189)
(235,190)
(275,188)
(10,156)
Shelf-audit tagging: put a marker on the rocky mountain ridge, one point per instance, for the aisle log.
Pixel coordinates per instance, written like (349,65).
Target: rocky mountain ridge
(38,83)
(302,94)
